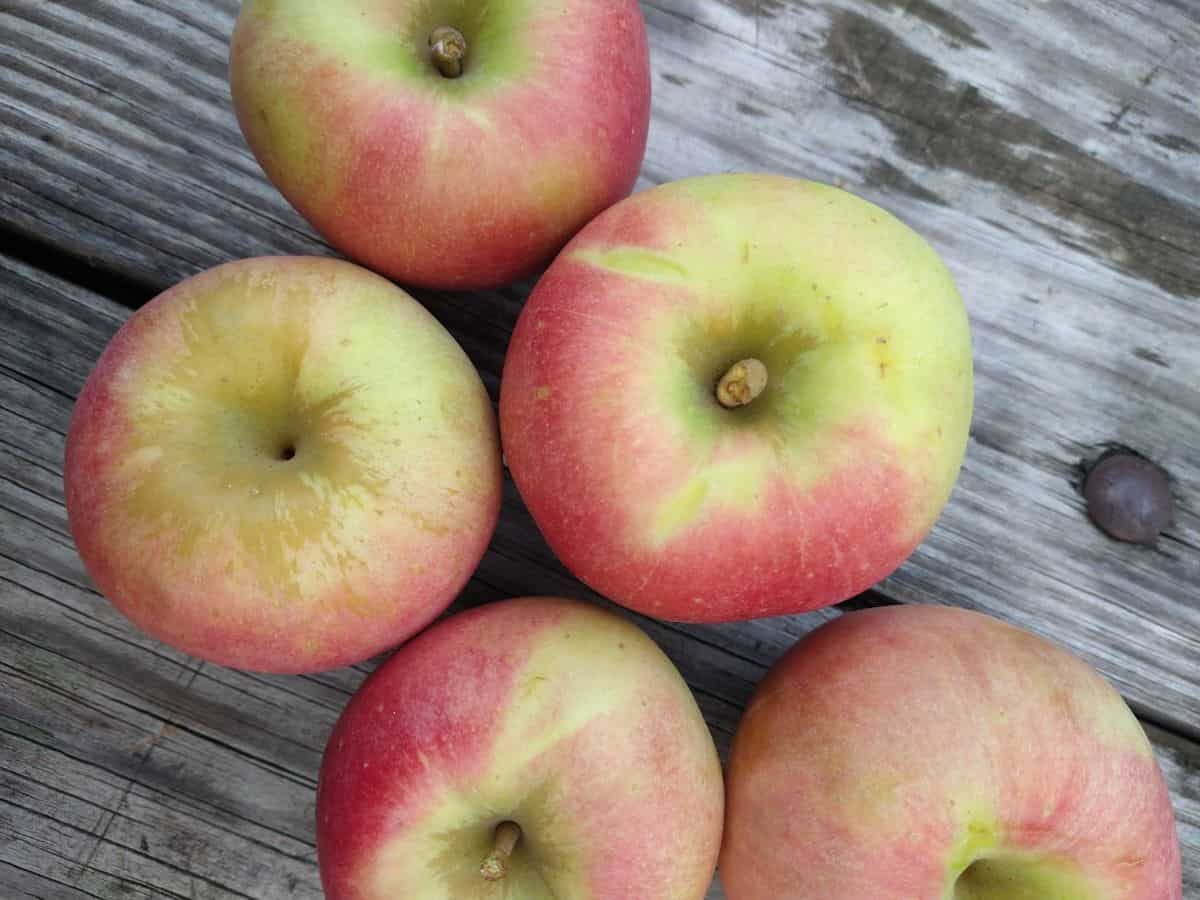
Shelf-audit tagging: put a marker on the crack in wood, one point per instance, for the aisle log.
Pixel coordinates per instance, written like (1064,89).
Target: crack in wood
(936,116)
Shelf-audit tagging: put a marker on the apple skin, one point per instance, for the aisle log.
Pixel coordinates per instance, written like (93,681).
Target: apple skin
(556,715)
(894,747)
(660,498)
(192,522)
(471,182)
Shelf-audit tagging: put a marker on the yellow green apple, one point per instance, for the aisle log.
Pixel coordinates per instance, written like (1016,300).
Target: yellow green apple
(533,749)
(930,753)
(738,396)
(445,143)
(283,464)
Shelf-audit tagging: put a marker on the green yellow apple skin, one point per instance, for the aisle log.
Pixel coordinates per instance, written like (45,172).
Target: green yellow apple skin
(929,753)
(463,182)
(282,464)
(553,715)
(651,490)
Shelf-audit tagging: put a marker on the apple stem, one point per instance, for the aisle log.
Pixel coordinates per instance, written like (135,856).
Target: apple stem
(448,49)
(744,381)
(504,841)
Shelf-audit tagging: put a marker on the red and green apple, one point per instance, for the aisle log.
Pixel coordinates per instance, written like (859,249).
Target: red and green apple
(930,753)
(534,749)
(738,396)
(283,464)
(445,143)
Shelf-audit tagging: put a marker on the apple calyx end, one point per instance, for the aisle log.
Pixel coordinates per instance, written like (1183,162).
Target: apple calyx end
(742,384)
(448,50)
(504,841)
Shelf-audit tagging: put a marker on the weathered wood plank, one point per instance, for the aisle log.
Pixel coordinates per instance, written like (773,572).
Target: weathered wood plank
(1075,245)
(107,737)
(23,884)
(68,817)
(953,114)
(69,737)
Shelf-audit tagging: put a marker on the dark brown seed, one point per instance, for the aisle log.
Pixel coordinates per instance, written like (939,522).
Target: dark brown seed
(1129,497)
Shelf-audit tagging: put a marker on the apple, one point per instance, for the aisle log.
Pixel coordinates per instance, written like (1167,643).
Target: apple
(445,143)
(929,753)
(738,396)
(282,464)
(534,749)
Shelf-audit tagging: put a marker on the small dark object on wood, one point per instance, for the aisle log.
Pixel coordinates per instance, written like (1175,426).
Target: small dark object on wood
(1129,497)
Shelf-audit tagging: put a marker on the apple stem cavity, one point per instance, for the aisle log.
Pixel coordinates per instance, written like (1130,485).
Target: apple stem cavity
(448,49)
(504,841)
(744,381)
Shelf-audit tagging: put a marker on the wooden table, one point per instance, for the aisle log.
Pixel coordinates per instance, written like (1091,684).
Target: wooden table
(1050,150)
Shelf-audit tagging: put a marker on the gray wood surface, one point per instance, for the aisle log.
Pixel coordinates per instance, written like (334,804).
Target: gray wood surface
(1051,151)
